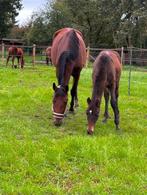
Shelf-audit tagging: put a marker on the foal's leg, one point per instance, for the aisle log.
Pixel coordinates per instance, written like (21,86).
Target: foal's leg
(106,114)
(115,106)
(74,89)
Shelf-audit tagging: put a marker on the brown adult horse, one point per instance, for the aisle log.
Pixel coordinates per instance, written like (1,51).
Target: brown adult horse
(68,54)
(106,76)
(48,56)
(15,52)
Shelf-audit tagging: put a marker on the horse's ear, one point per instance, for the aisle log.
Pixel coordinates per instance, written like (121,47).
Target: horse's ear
(88,100)
(54,86)
(66,88)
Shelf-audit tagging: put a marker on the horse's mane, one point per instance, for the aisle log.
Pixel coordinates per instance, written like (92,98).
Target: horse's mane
(68,55)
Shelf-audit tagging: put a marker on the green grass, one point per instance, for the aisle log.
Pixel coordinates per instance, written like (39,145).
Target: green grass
(38,158)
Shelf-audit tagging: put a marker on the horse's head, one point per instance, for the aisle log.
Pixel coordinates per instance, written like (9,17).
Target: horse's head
(59,103)
(92,114)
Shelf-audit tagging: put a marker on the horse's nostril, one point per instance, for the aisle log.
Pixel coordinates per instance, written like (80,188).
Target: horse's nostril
(57,123)
(89,132)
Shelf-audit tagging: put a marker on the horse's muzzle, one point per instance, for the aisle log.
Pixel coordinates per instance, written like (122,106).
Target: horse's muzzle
(90,129)
(58,122)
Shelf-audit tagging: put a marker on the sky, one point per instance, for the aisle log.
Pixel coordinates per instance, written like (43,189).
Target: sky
(29,6)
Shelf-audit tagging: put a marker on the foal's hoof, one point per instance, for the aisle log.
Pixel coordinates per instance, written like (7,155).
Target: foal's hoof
(104,120)
(71,110)
(117,128)
(76,103)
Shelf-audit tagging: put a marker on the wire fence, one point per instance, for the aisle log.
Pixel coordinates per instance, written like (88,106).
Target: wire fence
(35,55)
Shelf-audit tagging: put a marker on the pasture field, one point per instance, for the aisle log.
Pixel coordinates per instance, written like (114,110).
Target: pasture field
(38,158)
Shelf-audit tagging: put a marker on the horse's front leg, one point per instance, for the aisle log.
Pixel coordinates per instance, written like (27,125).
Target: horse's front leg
(74,98)
(13,58)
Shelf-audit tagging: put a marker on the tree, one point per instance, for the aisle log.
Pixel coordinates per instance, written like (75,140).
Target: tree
(104,23)
(8,11)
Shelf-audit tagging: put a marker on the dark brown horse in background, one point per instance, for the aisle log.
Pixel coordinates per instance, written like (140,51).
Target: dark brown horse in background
(48,56)
(14,52)
(68,54)
(106,76)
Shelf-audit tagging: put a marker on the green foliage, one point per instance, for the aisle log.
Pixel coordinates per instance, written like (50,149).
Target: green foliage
(104,23)
(38,158)
(8,11)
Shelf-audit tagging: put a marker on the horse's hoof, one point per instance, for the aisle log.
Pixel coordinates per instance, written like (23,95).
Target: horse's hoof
(104,120)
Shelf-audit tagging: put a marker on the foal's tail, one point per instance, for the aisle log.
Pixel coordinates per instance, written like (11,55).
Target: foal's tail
(68,56)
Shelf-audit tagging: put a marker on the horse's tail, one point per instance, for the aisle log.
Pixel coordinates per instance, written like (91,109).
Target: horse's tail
(68,56)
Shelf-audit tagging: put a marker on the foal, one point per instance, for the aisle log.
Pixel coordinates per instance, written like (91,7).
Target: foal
(106,76)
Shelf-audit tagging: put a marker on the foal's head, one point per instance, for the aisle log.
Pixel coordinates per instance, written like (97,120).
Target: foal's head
(59,103)
(92,114)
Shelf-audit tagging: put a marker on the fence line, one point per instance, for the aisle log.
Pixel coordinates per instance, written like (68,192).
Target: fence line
(129,55)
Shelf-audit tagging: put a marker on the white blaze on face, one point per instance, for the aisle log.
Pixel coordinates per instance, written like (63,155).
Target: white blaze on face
(90,111)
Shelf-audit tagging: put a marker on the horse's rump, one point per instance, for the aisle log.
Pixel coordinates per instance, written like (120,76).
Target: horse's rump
(12,51)
(63,43)
(48,52)
(19,52)
(107,66)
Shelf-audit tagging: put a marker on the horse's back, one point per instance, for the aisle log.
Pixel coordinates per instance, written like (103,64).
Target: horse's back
(107,65)
(61,43)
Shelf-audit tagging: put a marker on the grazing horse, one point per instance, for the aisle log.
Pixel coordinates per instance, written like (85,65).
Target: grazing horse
(48,56)
(15,52)
(106,76)
(68,54)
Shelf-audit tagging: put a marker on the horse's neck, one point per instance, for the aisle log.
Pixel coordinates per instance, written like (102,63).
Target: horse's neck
(66,77)
(98,89)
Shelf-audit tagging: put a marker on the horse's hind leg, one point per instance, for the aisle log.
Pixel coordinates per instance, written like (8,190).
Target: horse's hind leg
(106,114)
(114,105)
(74,98)
(18,60)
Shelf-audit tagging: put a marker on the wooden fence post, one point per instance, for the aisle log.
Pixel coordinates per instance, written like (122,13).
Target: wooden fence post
(88,53)
(122,55)
(3,52)
(130,65)
(34,54)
